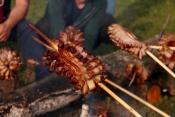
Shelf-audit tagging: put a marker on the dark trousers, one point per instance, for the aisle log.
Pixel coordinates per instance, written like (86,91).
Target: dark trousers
(31,49)
(103,37)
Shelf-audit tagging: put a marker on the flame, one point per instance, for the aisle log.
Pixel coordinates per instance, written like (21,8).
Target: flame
(104,111)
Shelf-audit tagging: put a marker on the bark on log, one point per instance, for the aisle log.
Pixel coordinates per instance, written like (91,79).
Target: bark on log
(55,92)
(38,98)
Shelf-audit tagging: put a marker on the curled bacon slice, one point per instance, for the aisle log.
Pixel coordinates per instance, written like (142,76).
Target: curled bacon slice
(137,71)
(166,55)
(9,63)
(126,40)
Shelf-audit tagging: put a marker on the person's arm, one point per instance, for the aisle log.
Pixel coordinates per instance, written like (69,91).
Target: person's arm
(92,28)
(17,13)
(56,15)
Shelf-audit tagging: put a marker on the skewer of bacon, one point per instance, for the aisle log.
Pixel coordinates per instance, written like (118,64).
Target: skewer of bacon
(167,50)
(126,40)
(67,57)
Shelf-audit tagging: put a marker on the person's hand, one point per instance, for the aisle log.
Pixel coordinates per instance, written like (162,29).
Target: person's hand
(4,32)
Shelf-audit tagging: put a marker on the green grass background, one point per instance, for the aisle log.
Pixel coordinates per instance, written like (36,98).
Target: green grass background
(145,18)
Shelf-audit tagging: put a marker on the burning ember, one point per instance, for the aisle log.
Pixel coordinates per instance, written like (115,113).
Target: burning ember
(104,112)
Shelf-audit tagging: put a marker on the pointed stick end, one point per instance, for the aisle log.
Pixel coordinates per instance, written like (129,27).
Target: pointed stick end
(42,43)
(31,25)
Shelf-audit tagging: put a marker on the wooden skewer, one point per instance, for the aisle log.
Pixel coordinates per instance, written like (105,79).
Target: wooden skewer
(42,43)
(132,80)
(160,63)
(137,98)
(52,44)
(160,47)
(119,100)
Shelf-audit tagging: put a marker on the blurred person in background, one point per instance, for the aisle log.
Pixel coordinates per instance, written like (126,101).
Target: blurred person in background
(83,14)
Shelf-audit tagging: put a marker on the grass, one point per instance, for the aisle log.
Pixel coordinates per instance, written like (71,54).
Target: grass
(36,10)
(145,18)
(168,104)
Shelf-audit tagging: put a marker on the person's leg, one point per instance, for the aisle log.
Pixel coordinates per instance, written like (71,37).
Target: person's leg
(13,35)
(103,36)
(44,26)
(31,49)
